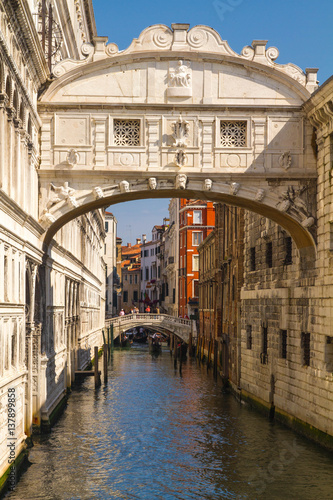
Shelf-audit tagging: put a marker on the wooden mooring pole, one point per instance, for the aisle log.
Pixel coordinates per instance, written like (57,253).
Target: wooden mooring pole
(105,359)
(190,344)
(97,377)
(175,350)
(215,358)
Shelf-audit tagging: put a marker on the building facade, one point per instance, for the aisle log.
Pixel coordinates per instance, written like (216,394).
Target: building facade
(110,257)
(170,260)
(131,276)
(151,282)
(196,222)
(51,303)
(220,284)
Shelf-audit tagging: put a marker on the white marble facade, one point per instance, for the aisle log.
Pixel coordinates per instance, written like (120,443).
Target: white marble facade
(51,303)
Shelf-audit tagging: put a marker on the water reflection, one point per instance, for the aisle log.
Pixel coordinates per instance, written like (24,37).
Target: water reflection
(151,434)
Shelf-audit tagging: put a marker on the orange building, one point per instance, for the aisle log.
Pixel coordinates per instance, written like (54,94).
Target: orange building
(196,222)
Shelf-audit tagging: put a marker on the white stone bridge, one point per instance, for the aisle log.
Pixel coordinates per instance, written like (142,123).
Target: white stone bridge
(179,114)
(162,323)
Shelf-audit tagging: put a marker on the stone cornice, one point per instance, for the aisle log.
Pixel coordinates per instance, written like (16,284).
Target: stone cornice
(319,109)
(90,17)
(23,15)
(10,207)
(17,75)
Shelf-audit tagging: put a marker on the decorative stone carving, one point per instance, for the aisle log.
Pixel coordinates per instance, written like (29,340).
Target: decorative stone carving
(260,195)
(46,219)
(124,186)
(72,157)
(207,185)
(309,222)
(181,76)
(180,158)
(152,183)
(197,37)
(181,129)
(181,181)
(233,134)
(180,83)
(234,188)
(285,160)
(292,202)
(62,193)
(98,193)
(126,132)
(162,38)
(111,49)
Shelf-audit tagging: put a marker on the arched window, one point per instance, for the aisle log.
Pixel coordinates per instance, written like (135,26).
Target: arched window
(15,103)
(22,113)
(29,127)
(9,88)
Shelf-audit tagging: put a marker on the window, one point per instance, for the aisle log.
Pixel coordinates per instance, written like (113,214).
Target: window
(125,296)
(329,354)
(248,336)
(130,279)
(288,249)
(136,279)
(106,227)
(264,345)
(233,134)
(159,271)
(197,217)
(151,252)
(196,238)
(195,288)
(147,273)
(195,262)
(141,274)
(305,345)
(173,295)
(126,132)
(135,296)
(283,344)
(166,289)
(146,253)
(269,254)
(252,258)
(125,277)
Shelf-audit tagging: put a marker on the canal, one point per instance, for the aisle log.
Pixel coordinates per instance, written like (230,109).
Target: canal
(151,433)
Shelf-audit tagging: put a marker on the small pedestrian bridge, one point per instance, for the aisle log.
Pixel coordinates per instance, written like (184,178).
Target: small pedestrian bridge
(162,323)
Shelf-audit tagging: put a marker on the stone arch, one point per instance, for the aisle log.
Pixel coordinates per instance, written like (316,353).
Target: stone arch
(61,213)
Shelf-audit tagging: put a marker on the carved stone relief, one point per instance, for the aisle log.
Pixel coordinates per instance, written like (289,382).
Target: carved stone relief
(72,157)
(207,185)
(180,81)
(285,160)
(152,183)
(124,186)
(181,181)
(98,193)
(61,193)
(234,188)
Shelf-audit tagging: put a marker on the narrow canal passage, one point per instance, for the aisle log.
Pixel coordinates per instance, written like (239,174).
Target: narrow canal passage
(153,434)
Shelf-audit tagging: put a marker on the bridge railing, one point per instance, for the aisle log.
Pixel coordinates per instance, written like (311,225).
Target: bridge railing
(148,317)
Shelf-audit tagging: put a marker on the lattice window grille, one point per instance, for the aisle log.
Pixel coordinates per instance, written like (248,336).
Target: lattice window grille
(233,134)
(126,132)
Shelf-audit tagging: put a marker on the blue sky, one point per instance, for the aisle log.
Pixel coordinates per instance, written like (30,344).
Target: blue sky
(300,29)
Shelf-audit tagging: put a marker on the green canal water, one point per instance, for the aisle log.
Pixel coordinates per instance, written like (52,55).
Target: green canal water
(151,433)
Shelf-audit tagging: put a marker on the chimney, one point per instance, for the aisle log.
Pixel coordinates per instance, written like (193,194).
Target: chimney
(144,238)
(138,241)
(129,245)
